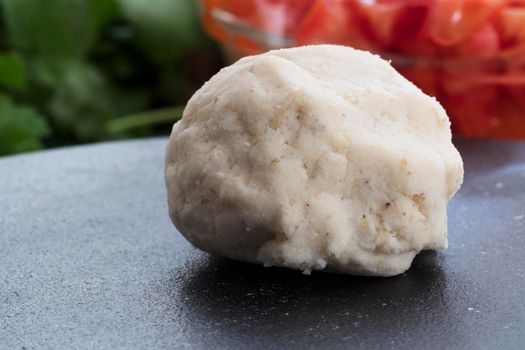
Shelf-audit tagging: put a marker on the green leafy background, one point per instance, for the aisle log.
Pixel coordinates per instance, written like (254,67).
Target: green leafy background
(78,71)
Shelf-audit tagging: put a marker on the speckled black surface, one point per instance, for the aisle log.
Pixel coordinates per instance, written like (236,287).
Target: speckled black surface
(89,260)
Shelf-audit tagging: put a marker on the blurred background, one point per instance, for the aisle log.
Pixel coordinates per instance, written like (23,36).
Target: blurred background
(79,71)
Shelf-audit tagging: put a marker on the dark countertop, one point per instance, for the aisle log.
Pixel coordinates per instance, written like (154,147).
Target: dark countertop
(90,260)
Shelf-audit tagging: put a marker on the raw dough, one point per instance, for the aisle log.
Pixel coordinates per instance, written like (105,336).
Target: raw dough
(317,157)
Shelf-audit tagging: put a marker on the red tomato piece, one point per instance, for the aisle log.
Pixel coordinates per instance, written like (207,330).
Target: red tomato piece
(511,22)
(511,25)
(424,77)
(473,108)
(282,17)
(514,84)
(512,120)
(483,43)
(452,21)
(328,21)
(244,11)
(392,23)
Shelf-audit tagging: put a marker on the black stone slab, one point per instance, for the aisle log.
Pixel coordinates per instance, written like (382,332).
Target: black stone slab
(90,260)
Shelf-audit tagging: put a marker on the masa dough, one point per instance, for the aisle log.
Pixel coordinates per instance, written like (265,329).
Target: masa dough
(313,158)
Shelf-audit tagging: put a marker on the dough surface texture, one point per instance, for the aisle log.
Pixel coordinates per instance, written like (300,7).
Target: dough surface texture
(313,158)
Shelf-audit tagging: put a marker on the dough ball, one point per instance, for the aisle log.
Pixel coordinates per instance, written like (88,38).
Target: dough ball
(313,158)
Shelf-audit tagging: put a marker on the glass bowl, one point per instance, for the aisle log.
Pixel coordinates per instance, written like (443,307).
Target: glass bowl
(469,54)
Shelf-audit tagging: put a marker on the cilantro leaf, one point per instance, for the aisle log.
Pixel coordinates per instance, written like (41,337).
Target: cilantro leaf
(12,71)
(53,28)
(21,127)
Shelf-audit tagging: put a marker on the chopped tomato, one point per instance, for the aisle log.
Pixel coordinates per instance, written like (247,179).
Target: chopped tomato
(474,112)
(514,84)
(389,23)
(452,21)
(472,106)
(282,17)
(484,42)
(511,23)
(327,22)
(424,76)
(244,11)
(470,54)
(511,120)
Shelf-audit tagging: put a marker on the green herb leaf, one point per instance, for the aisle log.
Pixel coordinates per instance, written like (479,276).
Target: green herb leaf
(12,72)
(103,11)
(148,118)
(58,27)
(81,101)
(167,28)
(21,127)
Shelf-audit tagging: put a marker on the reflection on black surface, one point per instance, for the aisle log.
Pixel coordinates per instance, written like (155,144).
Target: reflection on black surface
(231,298)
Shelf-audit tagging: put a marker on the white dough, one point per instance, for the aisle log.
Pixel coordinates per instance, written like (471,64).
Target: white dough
(313,158)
